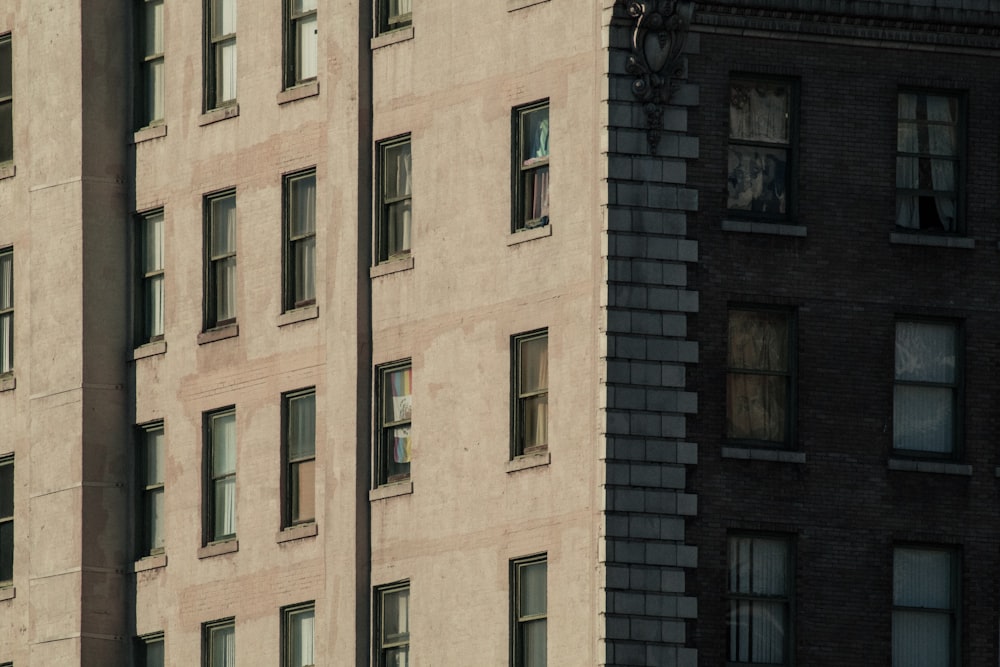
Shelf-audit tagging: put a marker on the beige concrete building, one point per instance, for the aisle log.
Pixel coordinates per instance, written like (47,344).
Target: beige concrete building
(326,336)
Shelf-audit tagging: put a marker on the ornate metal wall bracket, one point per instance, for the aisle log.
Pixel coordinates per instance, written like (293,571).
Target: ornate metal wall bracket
(657,42)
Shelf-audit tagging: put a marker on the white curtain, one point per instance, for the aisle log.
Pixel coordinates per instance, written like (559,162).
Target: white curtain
(302,639)
(922,628)
(154,475)
(224,248)
(224,473)
(941,139)
(399,186)
(308,43)
(152,263)
(923,415)
(303,231)
(400,7)
(759,112)
(757,401)
(758,567)
(6,319)
(224,647)
(534,381)
(907,171)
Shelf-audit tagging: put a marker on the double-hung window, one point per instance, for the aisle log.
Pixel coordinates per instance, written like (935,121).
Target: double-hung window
(925,603)
(6,310)
(531,166)
(760,600)
(926,392)
(220,259)
(6,520)
(150,486)
(300,239)
(149,651)
(395,412)
(218,643)
(529,606)
(530,400)
(392,625)
(220,514)
(760,146)
(394,14)
(6,100)
(220,56)
(395,198)
(759,381)
(297,633)
(149,265)
(301,42)
(300,457)
(929,164)
(151,73)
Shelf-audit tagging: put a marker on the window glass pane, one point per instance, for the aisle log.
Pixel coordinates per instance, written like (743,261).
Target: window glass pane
(756,406)
(154,90)
(223,211)
(396,615)
(154,456)
(223,646)
(154,519)
(6,132)
(534,368)
(154,654)
(6,86)
(224,17)
(301,638)
(302,205)
(534,643)
(300,6)
(921,639)
(154,28)
(6,342)
(533,593)
(303,482)
(758,111)
(757,179)
(224,521)
(398,395)
(225,72)
(397,169)
(225,289)
(925,351)
(154,307)
(6,280)
(534,418)
(758,340)
(397,657)
(535,189)
(152,249)
(534,136)
(923,418)
(305,269)
(758,566)
(301,426)
(6,490)
(922,578)
(223,444)
(757,631)
(6,551)
(308,42)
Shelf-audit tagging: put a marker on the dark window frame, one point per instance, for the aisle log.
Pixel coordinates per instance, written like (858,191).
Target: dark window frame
(7,524)
(385,203)
(144,278)
(383,426)
(290,464)
(213,262)
(380,643)
(787,599)
(790,373)
(955,611)
(389,21)
(291,298)
(142,644)
(214,44)
(520,397)
(6,100)
(520,621)
(211,479)
(287,614)
(146,60)
(293,66)
(523,167)
(791,148)
(8,313)
(147,489)
(208,636)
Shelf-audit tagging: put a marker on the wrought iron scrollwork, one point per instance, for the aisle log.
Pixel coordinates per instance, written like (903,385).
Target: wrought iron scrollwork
(657,42)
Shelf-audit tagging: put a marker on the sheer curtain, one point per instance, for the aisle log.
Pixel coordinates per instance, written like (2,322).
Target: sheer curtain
(941,139)
(303,221)
(534,380)
(400,188)
(302,639)
(224,248)
(923,597)
(907,172)
(758,567)
(756,401)
(308,41)
(224,647)
(153,264)
(224,472)
(923,414)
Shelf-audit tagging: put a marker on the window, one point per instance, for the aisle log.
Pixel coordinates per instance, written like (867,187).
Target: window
(392,625)
(395,197)
(6,520)
(297,630)
(301,42)
(151,62)
(300,453)
(531,168)
(759,387)
(395,406)
(220,245)
(760,599)
(149,292)
(925,599)
(928,163)
(218,641)
(6,310)
(300,239)
(394,14)
(220,56)
(6,100)
(925,395)
(531,392)
(221,493)
(150,486)
(530,608)
(760,146)
(149,651)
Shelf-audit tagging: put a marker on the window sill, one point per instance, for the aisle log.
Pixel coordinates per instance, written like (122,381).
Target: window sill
(299,91)
(296,532)
(528,461)
(219,548)
(7,382)
(222,113)
(770,228)
(150,132)
(392,37)
(221,333)
(391,266)
(904,238)
(149,349)
(7,593)
(7,170)
(514,5)
(391,490)
(753,454)
(529,235)
(940,467)
(298,315)
(150,563)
